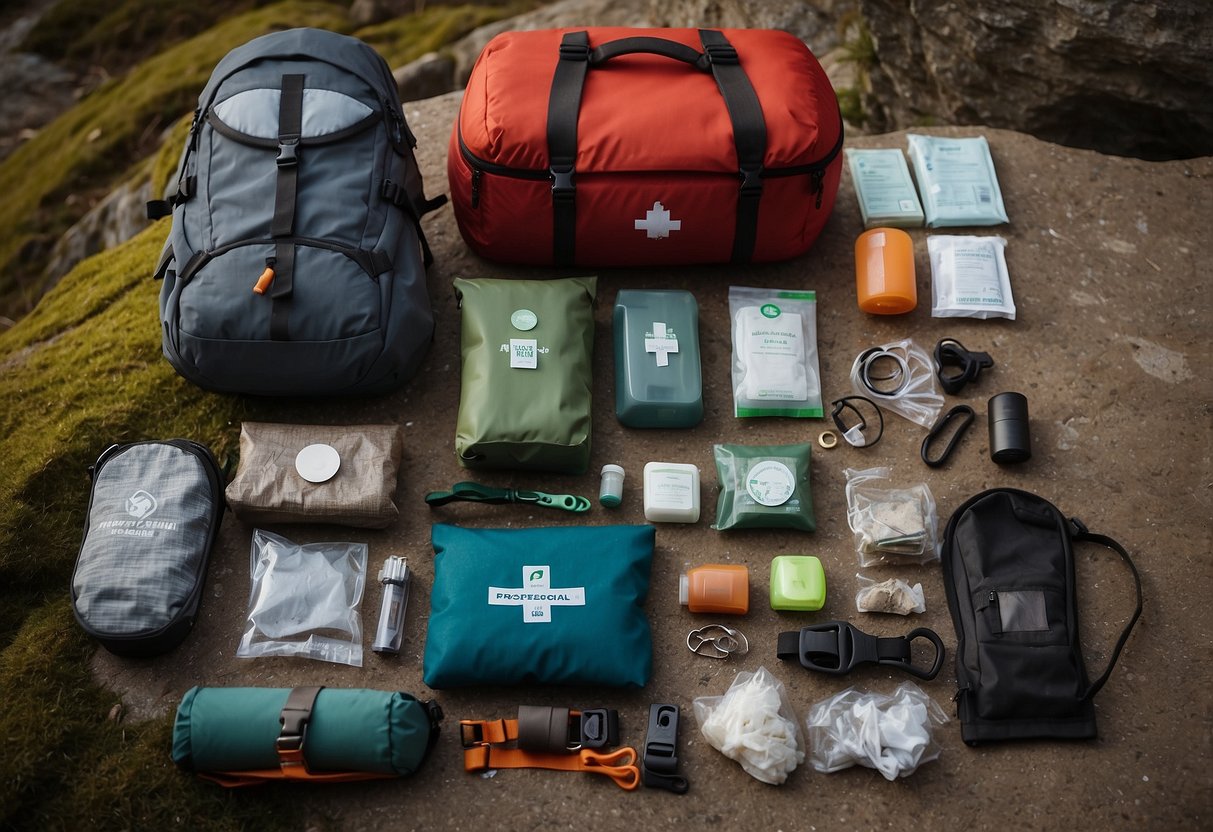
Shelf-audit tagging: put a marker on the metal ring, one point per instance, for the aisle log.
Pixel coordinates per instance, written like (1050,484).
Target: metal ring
(903,366)
(828,439)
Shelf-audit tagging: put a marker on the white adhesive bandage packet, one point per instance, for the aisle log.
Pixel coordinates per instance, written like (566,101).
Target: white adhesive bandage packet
(969,278)
(957,181)
(775,368)
(883,186)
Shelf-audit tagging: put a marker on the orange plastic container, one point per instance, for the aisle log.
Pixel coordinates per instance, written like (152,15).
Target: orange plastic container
(884,272)
(721,588)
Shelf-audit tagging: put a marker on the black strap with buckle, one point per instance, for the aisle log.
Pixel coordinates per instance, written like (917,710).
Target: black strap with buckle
(660,763)
(295,716)
(838,647)
(950,353)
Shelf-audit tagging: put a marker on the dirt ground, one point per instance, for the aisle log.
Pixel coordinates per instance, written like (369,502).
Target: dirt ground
(1108,262)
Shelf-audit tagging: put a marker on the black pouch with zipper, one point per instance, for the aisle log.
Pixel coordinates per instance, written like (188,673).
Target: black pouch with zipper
(153,518)
(1008,565)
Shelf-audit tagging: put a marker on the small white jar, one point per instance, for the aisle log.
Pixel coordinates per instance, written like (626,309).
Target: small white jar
(671,492)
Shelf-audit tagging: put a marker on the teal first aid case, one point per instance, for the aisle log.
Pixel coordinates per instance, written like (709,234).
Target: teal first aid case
(553,605)
(657,372)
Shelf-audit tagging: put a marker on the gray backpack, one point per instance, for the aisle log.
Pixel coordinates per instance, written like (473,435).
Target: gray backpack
(296,263)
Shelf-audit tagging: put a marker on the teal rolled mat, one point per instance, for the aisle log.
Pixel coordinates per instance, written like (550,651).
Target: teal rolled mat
(235,729)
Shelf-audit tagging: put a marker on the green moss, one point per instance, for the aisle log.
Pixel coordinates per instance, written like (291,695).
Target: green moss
(87,149)
(409,37)
(850,103)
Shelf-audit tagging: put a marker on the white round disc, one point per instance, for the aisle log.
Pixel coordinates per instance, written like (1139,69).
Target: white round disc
(318,463)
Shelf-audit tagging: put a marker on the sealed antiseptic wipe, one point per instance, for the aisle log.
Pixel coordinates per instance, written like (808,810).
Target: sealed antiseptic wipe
(764,486)
(969,277)
(957,181)
(556,605)
(775,368)
(884,188)
(526,387)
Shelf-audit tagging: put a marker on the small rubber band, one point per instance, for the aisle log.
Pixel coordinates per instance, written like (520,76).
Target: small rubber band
(903,372)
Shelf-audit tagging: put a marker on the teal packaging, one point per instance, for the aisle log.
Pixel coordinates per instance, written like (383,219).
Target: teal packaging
(559,605)
(657,373)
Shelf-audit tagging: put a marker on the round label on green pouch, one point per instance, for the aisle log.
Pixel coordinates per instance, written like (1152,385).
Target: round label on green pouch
(524,320)
(770,310)
(771,483)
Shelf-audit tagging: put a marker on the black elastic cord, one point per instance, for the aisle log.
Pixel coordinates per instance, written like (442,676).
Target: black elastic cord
(962,410)
(1104,540)
(839,405)
(951,353)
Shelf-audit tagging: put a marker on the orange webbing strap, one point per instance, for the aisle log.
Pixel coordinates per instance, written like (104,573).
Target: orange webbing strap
(482,750)
(238,779)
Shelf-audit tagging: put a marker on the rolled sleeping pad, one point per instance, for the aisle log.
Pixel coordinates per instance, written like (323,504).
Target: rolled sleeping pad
(358,730)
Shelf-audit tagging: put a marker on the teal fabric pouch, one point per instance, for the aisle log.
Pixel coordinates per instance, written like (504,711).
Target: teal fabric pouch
(555,605)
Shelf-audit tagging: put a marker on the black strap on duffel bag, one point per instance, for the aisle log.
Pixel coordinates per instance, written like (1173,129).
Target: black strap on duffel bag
(1008,565)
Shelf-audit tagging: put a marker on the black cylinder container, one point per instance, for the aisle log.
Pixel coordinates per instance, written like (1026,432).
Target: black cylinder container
(1010,437)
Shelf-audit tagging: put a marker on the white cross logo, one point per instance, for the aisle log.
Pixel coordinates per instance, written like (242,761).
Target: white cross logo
(536,595)
(657,223)
(661,342)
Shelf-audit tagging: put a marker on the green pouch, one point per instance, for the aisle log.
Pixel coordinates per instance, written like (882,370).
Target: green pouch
(555,605)
(234,730)
(764,487)
(526,391)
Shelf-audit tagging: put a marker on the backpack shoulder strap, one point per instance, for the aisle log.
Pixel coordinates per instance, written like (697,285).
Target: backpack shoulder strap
(1082,533)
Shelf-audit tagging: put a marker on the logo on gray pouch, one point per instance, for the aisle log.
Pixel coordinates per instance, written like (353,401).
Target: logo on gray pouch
(140,504)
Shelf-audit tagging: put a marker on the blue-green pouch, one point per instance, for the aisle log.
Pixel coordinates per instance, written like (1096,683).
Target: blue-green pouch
(556,605)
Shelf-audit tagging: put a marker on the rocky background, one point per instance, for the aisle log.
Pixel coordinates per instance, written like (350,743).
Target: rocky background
(1122,77)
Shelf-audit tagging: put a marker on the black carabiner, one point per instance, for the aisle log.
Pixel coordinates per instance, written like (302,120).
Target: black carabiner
(951,353)
(925,451)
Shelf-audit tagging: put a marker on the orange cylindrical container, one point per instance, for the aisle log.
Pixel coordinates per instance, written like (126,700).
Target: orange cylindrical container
(884,272)
(722,588)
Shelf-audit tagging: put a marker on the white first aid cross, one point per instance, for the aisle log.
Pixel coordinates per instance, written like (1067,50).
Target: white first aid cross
(662,342)
(657,223)
(536,596)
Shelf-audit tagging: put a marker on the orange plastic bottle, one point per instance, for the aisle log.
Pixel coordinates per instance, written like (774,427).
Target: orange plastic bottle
(884,272)
(716,587)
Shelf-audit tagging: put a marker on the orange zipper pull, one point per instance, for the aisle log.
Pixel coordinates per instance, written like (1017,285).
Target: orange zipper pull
(263,282)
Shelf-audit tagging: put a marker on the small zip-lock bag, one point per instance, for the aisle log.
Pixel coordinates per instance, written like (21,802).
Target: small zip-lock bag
(153,517)
(1008,565)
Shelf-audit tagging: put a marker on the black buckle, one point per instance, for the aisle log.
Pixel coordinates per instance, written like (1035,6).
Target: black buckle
(574,51)
(838,647)
(599,727)
(288,153)
(951,353)
(562,182)
(471,734)
(751,181)
(721,53)
(660,761)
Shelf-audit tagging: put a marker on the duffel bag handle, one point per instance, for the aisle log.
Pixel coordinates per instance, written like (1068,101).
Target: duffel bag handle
(564,106)
(650,46)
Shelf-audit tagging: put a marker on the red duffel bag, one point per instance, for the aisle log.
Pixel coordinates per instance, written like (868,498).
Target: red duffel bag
(622,147)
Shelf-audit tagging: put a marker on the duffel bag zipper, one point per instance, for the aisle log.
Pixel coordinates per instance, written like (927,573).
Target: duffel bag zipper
(815,170)
(201,258)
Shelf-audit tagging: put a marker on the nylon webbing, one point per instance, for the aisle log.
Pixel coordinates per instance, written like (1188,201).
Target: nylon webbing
(749,136)
(564,106)
(290,128)
(1104,540)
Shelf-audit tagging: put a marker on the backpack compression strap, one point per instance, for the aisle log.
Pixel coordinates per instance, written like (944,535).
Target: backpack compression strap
(290,129)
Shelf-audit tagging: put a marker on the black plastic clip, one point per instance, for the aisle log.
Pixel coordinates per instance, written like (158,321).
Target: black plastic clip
(962,410)
(951,353)
(660,762)
(288,153)
(854,433)
(838,647)
(599,727)
(562,182)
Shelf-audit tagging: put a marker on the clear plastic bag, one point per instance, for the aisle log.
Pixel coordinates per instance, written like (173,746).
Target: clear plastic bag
(305,600)
(893,596)
(754,724)
(899,376)
(891,525)
(775,366)
(892,734)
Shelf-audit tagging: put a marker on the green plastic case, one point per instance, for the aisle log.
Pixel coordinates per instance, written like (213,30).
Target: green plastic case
(657,371)
(798,582)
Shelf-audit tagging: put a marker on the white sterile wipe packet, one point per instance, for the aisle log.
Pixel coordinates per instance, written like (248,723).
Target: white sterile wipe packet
(957,181)
(969,278)
(775,368)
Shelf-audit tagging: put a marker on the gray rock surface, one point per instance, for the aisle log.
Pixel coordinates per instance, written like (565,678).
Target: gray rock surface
(1111,347)
(1120,76)
(35,90)
(431,74)
(813,21)
(117,218)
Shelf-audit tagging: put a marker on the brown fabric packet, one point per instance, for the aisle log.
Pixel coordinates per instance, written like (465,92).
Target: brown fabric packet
(268,489)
